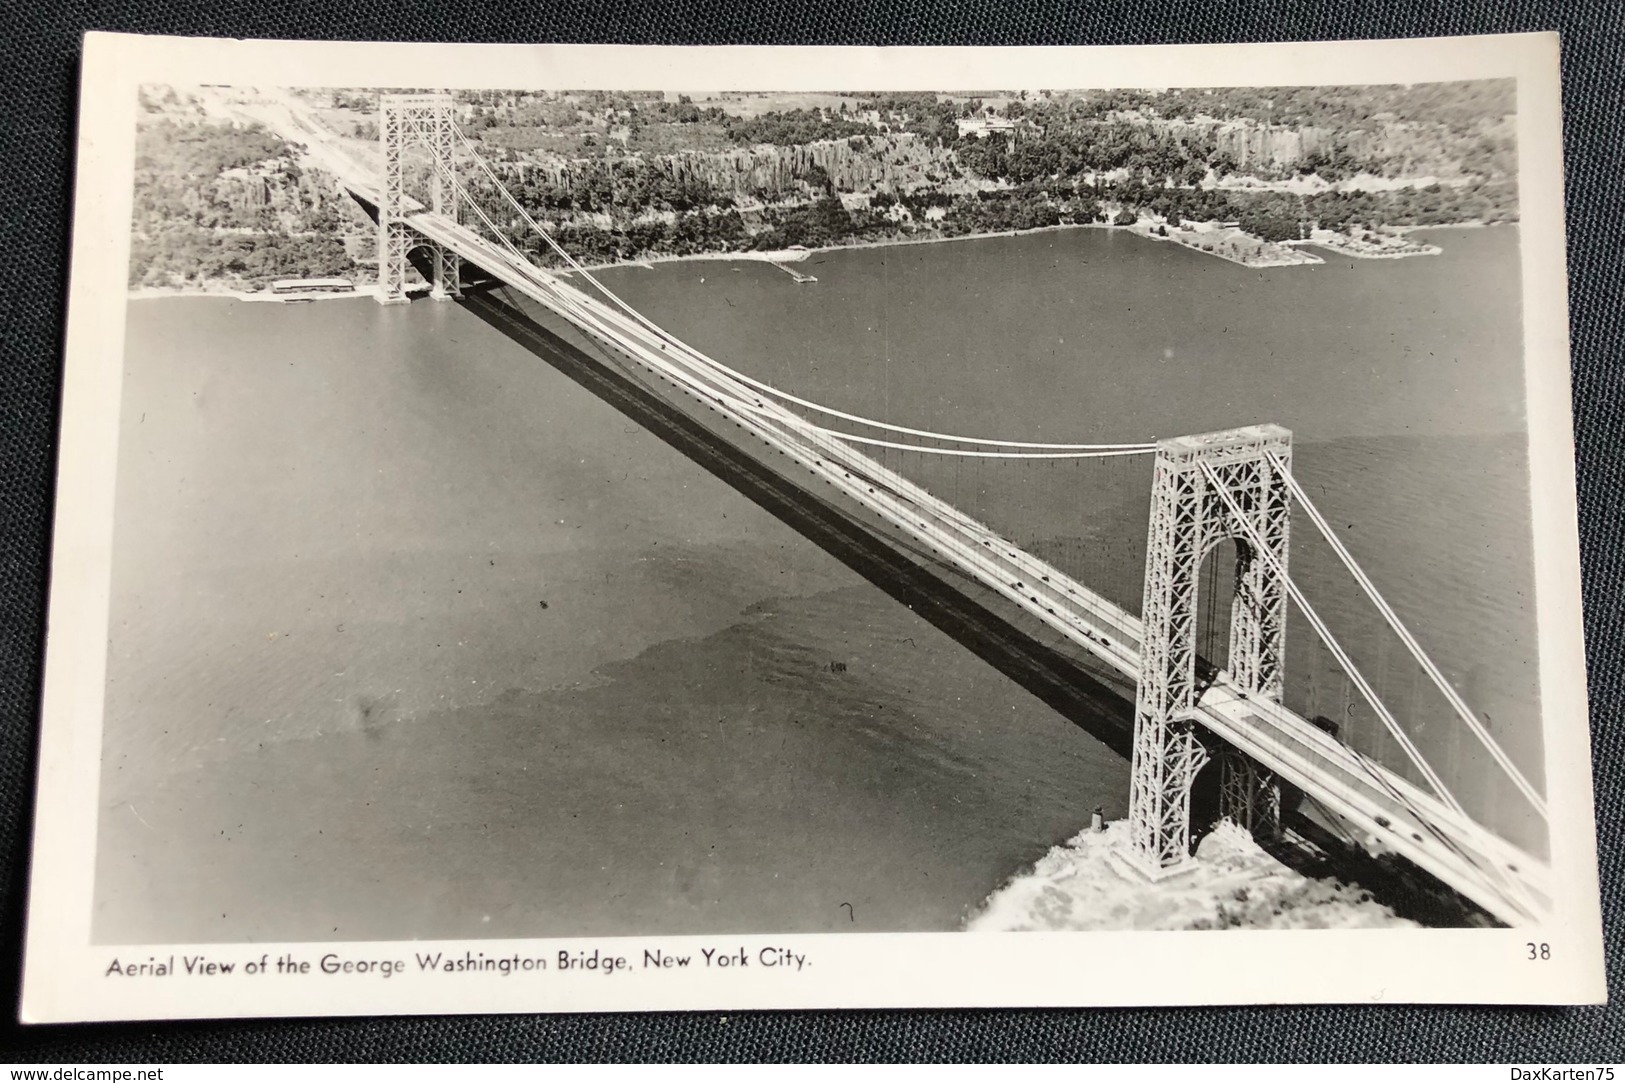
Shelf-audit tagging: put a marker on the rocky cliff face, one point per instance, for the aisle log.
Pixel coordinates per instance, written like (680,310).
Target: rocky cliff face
(882,161)
(904,161)
(251,190)
(1269,149)
(775,172)
(1412,149)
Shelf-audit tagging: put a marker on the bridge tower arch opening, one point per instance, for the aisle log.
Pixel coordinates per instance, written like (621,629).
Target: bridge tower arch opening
(1189,519)
(1216,593)
(406,122)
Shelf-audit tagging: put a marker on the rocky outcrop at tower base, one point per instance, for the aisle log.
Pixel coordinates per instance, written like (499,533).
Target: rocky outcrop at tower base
(1232,883)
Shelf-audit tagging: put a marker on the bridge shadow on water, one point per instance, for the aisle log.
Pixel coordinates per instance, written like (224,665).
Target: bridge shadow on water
(1059,681)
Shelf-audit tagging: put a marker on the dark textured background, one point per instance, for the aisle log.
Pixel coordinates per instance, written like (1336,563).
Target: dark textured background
(39,73)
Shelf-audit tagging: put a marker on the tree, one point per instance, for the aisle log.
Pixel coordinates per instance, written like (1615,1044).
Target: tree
(1224,163)
(1274,224)
(817,178)
(829,219)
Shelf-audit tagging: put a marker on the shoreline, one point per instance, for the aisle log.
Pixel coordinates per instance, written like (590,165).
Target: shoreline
(156,293)
(1284,257)
(1140,228)
(1355,253)
(781,257)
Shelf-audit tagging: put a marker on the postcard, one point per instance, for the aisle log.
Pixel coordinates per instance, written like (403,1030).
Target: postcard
(577,528)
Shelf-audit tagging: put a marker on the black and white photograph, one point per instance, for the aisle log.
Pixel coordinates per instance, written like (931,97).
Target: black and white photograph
(574,534)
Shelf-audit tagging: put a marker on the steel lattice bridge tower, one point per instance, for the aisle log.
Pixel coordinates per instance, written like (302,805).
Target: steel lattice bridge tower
(1188,520)
(1233,485)
(406,121)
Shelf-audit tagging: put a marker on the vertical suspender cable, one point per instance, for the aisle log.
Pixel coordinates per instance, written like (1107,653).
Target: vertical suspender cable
(1451,695)
(1332,644)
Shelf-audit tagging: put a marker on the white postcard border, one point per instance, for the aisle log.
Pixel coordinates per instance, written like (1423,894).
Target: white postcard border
(64,977)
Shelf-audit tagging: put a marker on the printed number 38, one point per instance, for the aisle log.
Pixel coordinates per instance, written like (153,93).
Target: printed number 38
(1539,951)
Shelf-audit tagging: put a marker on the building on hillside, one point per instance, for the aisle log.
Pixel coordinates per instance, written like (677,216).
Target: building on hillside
(981,126)
(312,285)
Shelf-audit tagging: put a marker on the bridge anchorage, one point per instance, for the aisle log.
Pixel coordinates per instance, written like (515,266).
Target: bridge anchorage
(1207,489)
(406,121)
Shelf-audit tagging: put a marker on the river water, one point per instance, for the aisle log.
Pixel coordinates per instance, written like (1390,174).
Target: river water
(414,637)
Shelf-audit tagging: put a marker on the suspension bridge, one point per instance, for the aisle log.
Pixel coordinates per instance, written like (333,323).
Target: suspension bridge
(435,196)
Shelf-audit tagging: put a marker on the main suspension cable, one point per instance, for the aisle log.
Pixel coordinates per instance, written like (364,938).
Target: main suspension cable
(581,309)
(1095,452)
(1457,703)
(1255,539)
(1332,644)
(757,384)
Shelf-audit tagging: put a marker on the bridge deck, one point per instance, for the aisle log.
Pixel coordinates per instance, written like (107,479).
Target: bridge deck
(1384,811)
